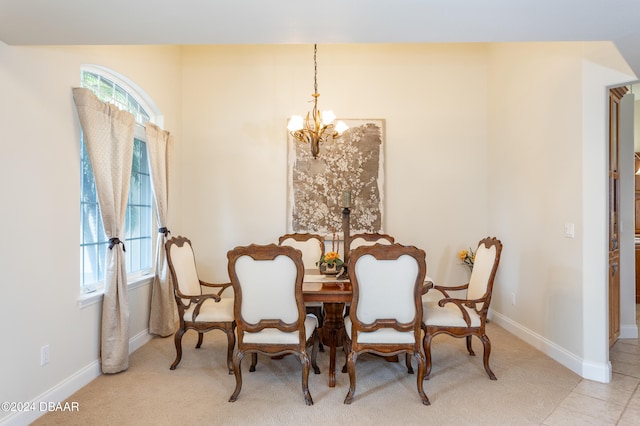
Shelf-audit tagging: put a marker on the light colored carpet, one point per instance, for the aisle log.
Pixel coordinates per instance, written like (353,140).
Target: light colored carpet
(529,387)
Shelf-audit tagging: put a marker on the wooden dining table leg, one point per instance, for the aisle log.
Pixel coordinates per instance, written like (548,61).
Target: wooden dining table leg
(331,335)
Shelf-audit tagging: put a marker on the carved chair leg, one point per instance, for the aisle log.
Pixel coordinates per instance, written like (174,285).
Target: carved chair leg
(351,367)
(407,360)
(304,359)
(426,344)
(469,346)
(314,352)
(237,359)
(421,367)
(231,343)
(254,362)
(200,336)
(320,325)
(346,347)
(487,351)
(178,342)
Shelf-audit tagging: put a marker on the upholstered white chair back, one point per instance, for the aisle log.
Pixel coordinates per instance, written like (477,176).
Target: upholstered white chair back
(268,289)
(184,264)
(311,250)
(386,288)
(482,270)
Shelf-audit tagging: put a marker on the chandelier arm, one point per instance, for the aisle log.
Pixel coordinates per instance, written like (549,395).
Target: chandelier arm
(300,135)
(322,131)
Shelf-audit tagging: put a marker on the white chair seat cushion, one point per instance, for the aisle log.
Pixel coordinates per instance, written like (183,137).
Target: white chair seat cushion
(275,336)
(448,316)
(212,312)
(383,335)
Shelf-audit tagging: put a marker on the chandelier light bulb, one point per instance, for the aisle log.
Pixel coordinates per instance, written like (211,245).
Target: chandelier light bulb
(328,117)
(341,127)
(295,123)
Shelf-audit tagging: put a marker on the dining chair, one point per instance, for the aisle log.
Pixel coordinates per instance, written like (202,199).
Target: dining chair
(369,239)
(312,248)
(465,316)
(386,309)
(269,309)
(198,310)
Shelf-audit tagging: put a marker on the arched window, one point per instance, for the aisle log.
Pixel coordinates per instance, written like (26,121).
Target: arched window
(109,87)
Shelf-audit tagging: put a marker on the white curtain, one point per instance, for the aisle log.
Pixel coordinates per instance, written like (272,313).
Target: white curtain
(162,317)
(108,136)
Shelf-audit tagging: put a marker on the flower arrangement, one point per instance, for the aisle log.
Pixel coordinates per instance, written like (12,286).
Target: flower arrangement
(330,263)
(467,257)
(331,259)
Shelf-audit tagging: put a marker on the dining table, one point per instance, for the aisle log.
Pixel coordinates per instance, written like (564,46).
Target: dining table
(334,291)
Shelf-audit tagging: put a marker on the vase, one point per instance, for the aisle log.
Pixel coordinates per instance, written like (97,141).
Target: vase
(329,269)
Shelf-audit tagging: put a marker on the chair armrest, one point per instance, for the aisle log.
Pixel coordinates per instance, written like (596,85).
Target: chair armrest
(443,289)
(470,303)
(221,286)
(199,300)
(458,303)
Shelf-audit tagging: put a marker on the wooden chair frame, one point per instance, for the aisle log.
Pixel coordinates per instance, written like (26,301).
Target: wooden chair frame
(184,301)
(371,237)
(270,252)
(353,347)
(303,237)
(467,332)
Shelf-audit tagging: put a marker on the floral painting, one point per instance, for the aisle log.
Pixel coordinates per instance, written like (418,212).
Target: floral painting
(352,162)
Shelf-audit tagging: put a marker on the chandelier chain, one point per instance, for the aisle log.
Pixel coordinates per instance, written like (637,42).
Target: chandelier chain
(315,68)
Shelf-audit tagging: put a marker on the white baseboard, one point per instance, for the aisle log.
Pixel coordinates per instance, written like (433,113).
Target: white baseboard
(629,331)
(67,387)
(602,372)
(597,372)
(137,341)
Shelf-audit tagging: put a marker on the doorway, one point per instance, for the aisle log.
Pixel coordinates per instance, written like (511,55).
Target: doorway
(623,226)
(615,96)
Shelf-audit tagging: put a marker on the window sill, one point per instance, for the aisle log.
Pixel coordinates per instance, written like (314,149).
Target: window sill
(88,299)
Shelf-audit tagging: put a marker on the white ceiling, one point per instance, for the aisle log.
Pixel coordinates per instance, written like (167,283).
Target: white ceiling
(92,22)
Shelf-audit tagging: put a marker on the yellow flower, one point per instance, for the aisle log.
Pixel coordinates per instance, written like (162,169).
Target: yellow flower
(468,257)
(332,255)
(331,258)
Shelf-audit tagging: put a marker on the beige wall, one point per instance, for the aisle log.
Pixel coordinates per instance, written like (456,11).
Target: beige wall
(536,137)
(481,139)
(234,150)
(40,175)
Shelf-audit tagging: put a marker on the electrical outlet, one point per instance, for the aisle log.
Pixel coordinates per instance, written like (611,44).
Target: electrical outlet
(513,299)
(569,230)
(44,355)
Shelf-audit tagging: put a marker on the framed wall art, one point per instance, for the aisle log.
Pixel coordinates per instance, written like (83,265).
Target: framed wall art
(352,162)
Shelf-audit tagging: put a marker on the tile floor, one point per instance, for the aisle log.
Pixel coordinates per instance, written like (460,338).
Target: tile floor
(615,403)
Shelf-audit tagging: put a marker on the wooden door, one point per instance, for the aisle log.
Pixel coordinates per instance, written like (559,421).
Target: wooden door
(614,209)
(637,273)
(637,213)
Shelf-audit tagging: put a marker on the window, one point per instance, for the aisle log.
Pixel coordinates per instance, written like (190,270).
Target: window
(139,216)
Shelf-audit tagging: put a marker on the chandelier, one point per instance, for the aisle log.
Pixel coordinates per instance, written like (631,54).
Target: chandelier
(315,128)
